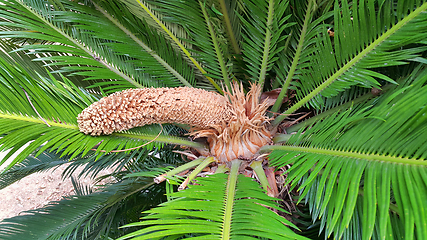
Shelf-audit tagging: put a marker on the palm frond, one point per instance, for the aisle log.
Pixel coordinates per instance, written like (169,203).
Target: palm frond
(34,68)
(261,35)
(67,213)
(119,201)
(195,212)
(90,51)
(142,160)
(380,146)
(37,20)
(228,11)
(156,15)
(207,48)
(158,57)
(298,48)
(92,216)
(349,62)
(30,112)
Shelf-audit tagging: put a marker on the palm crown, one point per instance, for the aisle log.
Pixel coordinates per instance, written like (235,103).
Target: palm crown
(353,160)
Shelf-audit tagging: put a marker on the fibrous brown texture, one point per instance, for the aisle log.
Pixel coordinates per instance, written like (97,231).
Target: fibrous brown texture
(235,125)
(246,132)
(137,107)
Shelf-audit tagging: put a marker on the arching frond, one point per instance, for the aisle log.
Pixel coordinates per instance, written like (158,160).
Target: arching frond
(350,59)
(379,147)
(78,32)
(30,225)
(228,11)
(161,16)
(44,113)
(261,35)
(198,20)
(195,212)
(91,216)
(299,46)
(158,57)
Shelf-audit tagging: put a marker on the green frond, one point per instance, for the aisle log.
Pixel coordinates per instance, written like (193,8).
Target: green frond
(291,60)
(61,221)
(381,147)
(156,15)
(353,59)
(209,48)
(148,12)
(32,20)
(90,51)
(24,60)
(54,125)
(196,19)
(219,48)
(218,207)
(343,101)
(230,19)
(118,202)
(261,35)
(158,58)
(91,216)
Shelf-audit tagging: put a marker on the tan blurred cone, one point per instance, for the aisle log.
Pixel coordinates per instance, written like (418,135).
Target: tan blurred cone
(138,107)
(235,125)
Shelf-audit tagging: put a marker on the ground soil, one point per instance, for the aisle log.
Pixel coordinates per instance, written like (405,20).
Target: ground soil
(35,191)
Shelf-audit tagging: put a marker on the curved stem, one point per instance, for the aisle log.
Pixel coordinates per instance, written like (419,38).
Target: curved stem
(295,60)
(281,138)
(196,171)
(347,154)
(229,202)
(229,27)
(259,171)
(218,51)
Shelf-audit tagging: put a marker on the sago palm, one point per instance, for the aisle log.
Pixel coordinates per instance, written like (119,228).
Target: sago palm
(277,119)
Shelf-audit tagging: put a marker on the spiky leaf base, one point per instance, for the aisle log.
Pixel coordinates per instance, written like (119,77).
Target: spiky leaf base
(245,132)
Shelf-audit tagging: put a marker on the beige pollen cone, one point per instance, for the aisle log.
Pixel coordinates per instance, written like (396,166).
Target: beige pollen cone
(235,124)
(138,107)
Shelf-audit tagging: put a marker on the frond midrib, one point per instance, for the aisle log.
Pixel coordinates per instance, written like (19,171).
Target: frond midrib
(267,44)
(295,61)
(79,45)
(371,47)
(229,199)
(148,137)
(144,46)
(35,120)
(179,44)
(215,43)
(348,154)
